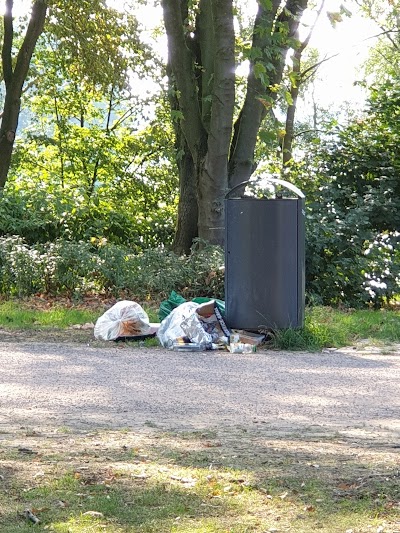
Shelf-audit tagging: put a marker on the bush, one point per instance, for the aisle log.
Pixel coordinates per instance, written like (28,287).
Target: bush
(76,268)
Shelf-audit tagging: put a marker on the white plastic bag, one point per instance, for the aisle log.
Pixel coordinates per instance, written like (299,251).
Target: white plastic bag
(124,319)
(171,327)
(196,322)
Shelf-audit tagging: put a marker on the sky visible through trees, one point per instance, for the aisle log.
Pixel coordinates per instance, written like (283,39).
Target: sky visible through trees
(351,38)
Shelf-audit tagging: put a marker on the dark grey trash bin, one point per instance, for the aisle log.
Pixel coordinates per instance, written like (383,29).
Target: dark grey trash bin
(264,259)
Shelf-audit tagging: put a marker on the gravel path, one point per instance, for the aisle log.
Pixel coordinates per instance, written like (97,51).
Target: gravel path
(83,387)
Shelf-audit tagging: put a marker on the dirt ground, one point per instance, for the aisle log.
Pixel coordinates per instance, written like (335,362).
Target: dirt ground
(67,378)
(333,416)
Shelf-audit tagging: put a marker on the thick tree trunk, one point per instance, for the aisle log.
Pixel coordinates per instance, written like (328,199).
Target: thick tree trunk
(213,178)
(14,78)
(201,73)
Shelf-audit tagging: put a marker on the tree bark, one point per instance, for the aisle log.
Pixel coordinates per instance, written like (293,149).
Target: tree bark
(291,111)
(299,77)
(213,179)
(14,78)
(187,219)
(201,74)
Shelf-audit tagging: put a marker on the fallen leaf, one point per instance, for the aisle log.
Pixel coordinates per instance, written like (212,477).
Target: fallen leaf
(345,486)
(187,480)
(183,479)
(93,513)
(309,508)
(37,510)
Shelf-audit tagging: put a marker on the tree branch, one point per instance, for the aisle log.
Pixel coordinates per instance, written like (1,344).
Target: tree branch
(7,43)
(35,28)
(223,99)
(181,62)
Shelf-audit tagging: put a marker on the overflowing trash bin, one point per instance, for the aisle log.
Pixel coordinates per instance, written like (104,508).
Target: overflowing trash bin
(265,257)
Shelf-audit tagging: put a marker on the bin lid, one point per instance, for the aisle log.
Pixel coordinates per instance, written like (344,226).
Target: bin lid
(274,181)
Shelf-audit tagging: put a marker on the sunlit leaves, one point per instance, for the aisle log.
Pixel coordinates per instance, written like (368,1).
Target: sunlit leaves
(98,43)
(94,161)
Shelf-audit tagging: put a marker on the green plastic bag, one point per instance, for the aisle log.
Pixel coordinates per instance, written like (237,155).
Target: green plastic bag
(176,299)
(167,306)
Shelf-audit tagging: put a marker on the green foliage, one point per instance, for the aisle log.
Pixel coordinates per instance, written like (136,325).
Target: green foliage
(77,268)
(384,54)
(352,188)
(94,162)
(45,214)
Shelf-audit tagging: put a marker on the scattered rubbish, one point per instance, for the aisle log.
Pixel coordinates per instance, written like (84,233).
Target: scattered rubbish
(31,517)
(151,333)
(167,306)
(124,319)
(241,347)
(183,344)
(200,324)
(220,304)
(247,337)
(186,326)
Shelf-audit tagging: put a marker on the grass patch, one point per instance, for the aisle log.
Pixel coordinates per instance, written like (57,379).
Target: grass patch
(327,327)
(324,326)
(18,314)
(156,482)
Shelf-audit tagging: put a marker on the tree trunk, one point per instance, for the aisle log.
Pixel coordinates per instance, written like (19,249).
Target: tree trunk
(9,123)
(213,178)
(186,228)
(297,78)
(14,78)
(291,111)
(201,72)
